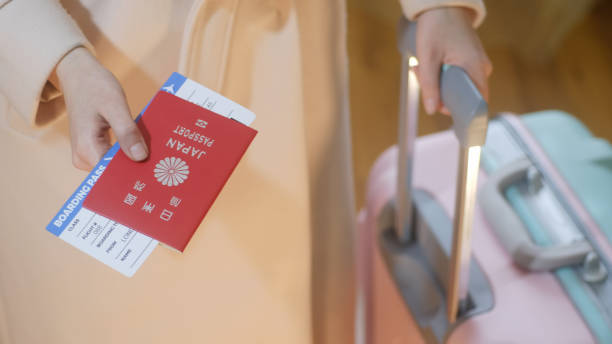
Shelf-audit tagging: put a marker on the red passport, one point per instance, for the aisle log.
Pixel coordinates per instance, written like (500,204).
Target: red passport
(193,152)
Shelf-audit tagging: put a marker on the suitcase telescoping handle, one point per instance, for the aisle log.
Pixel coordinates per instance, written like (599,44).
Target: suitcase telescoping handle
(469,113)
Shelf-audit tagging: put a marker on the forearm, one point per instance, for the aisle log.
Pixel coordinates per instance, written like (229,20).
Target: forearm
(413,8)
(34,36)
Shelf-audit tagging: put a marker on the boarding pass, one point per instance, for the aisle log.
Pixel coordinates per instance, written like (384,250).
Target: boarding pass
(114,244)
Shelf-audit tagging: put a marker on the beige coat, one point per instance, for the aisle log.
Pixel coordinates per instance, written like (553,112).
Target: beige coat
(272,261)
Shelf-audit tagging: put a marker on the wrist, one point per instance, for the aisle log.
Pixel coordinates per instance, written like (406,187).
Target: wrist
(69,65)
(465,13)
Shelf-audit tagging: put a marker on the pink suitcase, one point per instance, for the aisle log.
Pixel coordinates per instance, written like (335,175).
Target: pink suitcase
(512,289)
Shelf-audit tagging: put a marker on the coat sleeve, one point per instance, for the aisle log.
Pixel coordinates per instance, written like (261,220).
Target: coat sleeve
(34,36)
(412,8)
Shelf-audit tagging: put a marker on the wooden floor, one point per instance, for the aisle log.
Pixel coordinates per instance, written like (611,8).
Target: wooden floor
(578,79)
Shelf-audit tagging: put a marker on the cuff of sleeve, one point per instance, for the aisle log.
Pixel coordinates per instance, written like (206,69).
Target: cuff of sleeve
(34,36)
(413,8)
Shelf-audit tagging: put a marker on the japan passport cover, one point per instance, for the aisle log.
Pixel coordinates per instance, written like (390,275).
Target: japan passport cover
(193,152)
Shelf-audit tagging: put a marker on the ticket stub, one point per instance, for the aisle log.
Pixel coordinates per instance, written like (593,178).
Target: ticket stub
(117,246)
(120,247)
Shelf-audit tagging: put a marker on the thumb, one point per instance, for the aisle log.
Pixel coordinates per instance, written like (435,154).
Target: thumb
(129,136)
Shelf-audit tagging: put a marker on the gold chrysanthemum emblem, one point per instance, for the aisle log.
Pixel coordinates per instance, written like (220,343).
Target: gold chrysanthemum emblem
(171,171)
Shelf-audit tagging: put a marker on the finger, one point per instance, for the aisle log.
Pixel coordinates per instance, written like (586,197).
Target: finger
(89,145)
(488,67)
(478,74)
(82,160)
(129,136)
(428,73)
(479,68)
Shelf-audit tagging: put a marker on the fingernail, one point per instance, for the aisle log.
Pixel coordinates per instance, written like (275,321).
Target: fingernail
(138,151)
(430,106)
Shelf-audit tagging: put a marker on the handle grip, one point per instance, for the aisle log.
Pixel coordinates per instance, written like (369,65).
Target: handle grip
(513,234)
(458,92)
